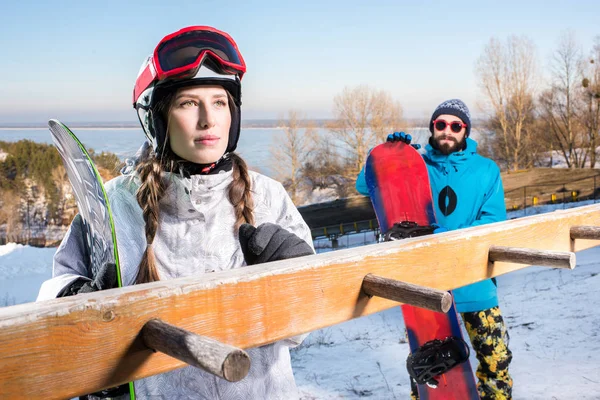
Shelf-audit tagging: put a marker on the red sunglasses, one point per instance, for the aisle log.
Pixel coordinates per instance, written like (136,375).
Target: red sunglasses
(181,54)
(455,126)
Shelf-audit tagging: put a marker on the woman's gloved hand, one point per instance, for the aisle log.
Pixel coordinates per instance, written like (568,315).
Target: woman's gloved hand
(270,242)
(106,278)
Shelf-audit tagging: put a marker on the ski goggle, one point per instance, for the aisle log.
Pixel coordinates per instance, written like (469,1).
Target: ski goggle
(455,126)
(180,55)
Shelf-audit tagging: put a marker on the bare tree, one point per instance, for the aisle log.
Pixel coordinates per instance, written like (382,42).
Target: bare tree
(561,104)
(10,217)
(534,141)
(591,96)
(537,141)
(386,116)
(363,118)
(289,155)
(507,77)
(63,206)
(324,168)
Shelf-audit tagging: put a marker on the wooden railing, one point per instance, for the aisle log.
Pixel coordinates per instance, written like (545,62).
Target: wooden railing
(71,346)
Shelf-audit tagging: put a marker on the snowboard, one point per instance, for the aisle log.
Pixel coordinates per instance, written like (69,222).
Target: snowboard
(398,184)
(92,203)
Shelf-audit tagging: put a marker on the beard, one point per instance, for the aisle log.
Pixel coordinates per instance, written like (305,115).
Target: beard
(448,148)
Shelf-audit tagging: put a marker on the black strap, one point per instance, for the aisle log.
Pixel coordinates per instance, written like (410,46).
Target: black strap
(435,358)
(407,229)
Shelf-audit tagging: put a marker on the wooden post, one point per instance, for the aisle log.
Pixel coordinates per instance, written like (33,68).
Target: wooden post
(557,259)
(585,232)
(219,359)
(415,295)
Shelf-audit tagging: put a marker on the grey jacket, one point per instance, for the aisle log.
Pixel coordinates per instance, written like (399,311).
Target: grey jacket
(195,235)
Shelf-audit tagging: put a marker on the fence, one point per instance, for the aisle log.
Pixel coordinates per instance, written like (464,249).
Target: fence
(24,240)
(239,307)
(343,234)
(553,193)
(48,236)
(346,239)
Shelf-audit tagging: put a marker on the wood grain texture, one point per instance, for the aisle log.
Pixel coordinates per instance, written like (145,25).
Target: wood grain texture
(544,258)
(585,232)
(217,358)
(70,346)
(407,293)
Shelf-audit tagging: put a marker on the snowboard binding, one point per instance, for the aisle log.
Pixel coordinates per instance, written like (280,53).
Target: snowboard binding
(435,358)
(407,229)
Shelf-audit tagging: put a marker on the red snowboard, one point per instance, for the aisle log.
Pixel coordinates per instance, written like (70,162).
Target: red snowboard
(398,184)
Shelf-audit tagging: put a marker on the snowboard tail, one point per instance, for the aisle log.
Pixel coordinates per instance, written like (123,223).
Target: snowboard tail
(398,184)
(423,326)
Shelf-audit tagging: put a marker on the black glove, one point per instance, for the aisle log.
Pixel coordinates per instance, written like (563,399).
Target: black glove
(270,242)
(106,278)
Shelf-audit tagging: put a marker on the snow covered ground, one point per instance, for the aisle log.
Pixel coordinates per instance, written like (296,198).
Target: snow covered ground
(552,316)
(556,159)
(547,208)
(22,271)
(554,328)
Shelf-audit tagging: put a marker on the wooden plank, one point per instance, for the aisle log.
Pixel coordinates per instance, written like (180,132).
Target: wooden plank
(66,347)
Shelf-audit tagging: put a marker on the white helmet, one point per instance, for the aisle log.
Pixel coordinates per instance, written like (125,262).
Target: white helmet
(198,55)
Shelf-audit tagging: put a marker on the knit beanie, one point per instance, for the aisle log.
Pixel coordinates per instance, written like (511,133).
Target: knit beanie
(453,107)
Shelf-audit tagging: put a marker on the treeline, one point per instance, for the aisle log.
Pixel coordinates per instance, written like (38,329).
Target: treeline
(530,121)
(34,187)
(535,114)
(533,117)
(308,159)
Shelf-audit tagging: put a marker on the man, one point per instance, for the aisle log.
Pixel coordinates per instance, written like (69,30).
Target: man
(467,191)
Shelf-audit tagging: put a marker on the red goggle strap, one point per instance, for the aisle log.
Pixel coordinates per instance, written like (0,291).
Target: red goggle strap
(149,75)
(144,81)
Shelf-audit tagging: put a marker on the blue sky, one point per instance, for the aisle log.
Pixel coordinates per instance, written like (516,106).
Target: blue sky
(77,60)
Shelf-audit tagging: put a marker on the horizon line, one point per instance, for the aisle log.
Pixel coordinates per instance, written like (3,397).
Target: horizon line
(250,123)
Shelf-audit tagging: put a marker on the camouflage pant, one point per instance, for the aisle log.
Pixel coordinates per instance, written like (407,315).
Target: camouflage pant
(489,339)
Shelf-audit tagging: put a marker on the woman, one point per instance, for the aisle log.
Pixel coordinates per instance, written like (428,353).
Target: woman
(190,199)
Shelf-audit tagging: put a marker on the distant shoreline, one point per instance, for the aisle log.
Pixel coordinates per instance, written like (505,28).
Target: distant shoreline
(109,128)
(246,124)
(79,128)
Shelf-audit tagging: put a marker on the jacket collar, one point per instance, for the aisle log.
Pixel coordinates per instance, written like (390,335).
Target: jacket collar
(186,196)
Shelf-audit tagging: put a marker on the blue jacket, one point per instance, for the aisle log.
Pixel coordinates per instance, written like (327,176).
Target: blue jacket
(467,191)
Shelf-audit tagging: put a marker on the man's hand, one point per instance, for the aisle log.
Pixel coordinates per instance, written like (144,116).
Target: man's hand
(402,137)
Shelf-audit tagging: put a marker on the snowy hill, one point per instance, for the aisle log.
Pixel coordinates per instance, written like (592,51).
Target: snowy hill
(551,314)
